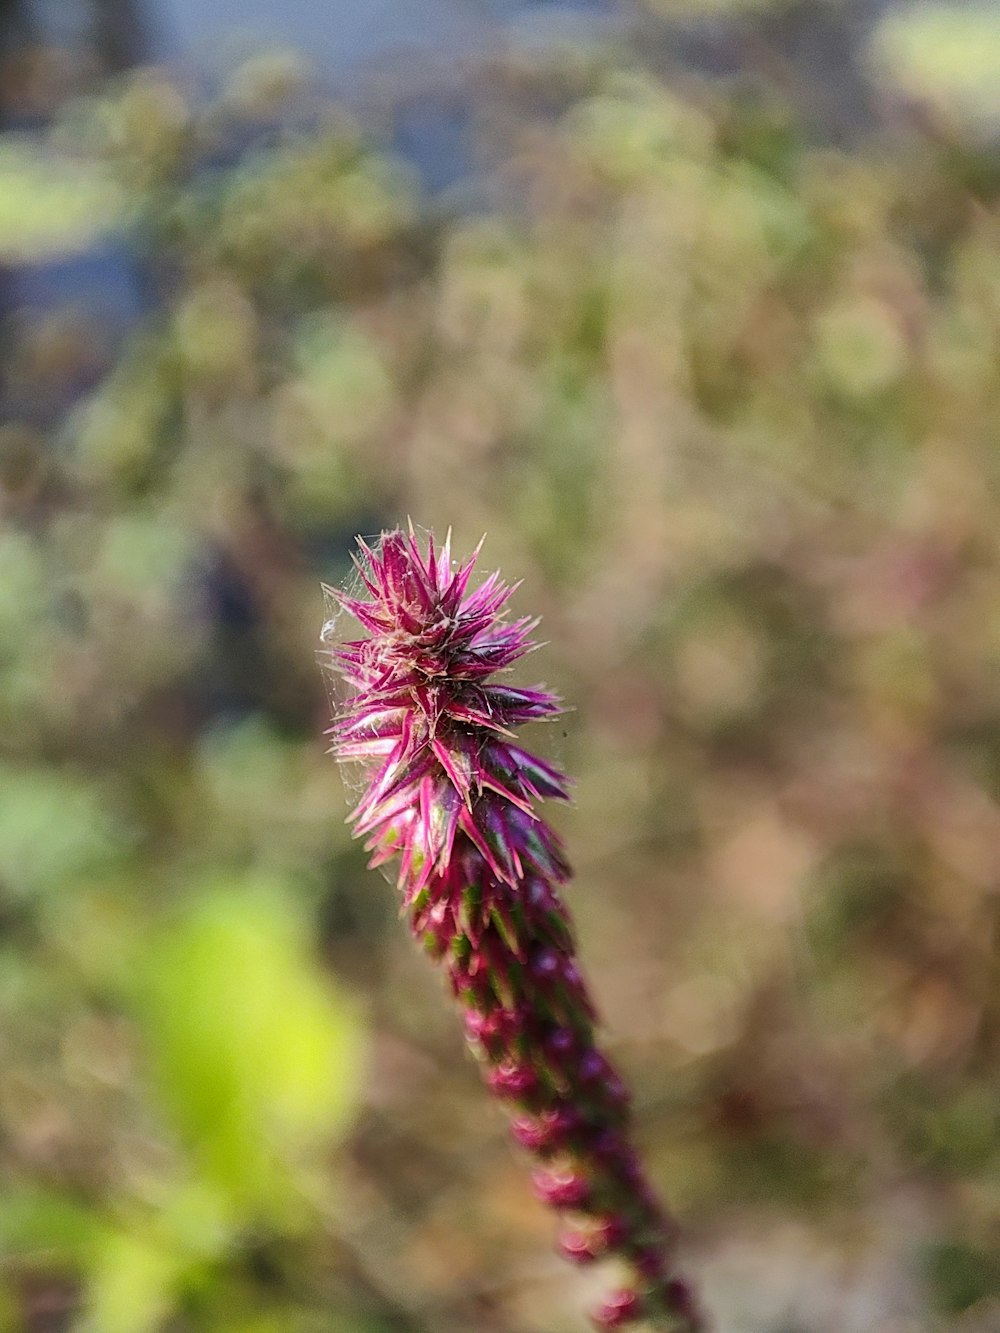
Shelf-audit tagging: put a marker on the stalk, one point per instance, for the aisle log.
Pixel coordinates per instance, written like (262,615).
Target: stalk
(452,798)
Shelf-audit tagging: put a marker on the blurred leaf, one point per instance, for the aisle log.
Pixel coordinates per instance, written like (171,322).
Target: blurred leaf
(51,206)
(25,589)
(341,377)
(633,129)
(115,432)
(215,330)
(946,54)
(139,124)
(962,1275)
(45,1227)
(248,768)
(142,555)
(291,1319)
(257,1057)
(130,1284)
(53,826)
(860,346)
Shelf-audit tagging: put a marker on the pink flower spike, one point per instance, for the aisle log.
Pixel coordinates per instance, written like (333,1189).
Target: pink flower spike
(453,799)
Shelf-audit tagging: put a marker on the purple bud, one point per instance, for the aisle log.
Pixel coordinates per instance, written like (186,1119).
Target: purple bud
(546,964)
(620,1308)
(561,1189)
(530,1134)
(584,1244)
(478,1025)
(512,1080)
(593,1067)
(548,1132)
(560,1042)
(578,1246)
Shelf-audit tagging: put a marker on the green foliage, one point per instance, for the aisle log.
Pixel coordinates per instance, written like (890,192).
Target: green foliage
(52,206)
(256,1060)
(962,1275)
(947,54)
(54,829)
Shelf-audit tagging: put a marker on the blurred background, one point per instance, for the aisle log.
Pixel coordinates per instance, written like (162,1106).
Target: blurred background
(694,309)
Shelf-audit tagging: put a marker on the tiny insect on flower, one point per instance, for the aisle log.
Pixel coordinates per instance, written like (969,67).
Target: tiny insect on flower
(451,797)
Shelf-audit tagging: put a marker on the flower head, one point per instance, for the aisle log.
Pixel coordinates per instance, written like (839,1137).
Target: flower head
(451,796)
